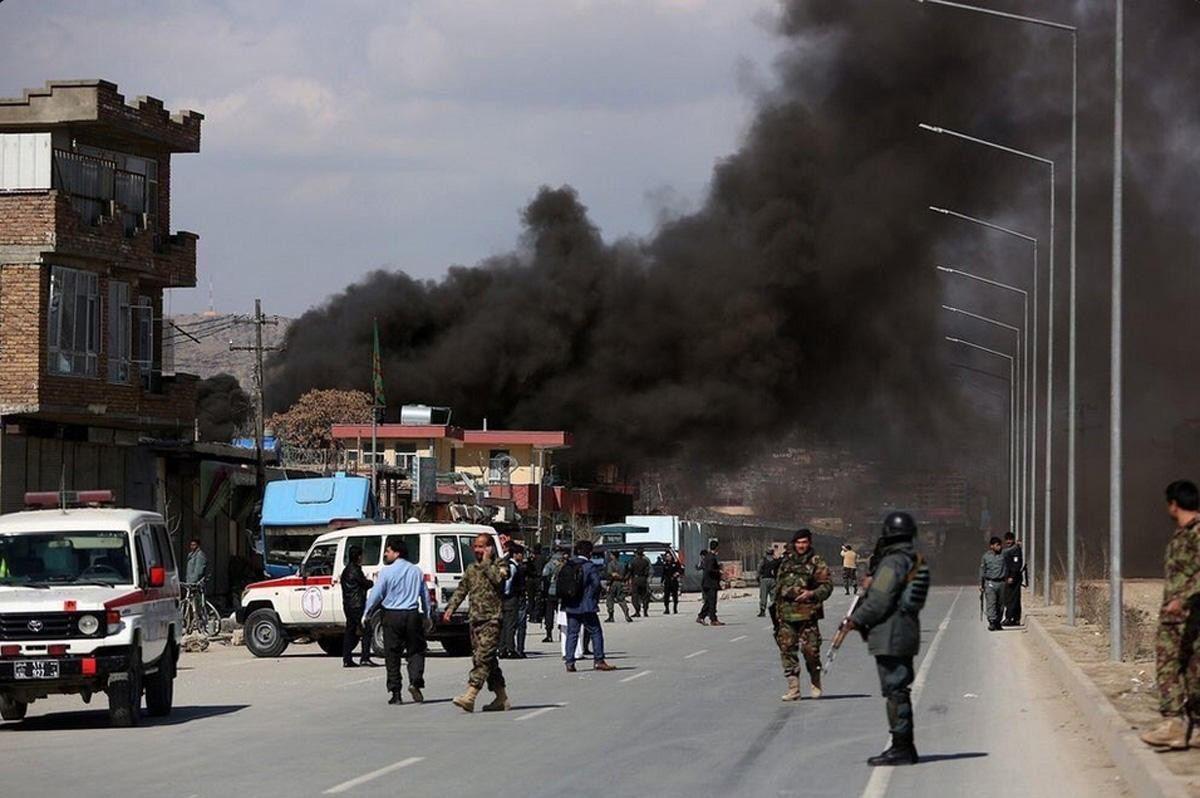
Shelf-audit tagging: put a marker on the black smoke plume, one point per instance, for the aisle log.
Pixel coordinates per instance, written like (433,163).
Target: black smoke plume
(222,408)
(802,294)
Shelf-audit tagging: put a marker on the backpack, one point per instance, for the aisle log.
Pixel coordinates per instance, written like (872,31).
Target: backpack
(916,587)
(569,583)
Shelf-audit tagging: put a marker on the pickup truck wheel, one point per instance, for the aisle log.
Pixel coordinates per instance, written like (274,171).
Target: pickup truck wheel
(125,693)
(330,645)
(377,649)
(265,636)
(11,708)
(160,687)
(457,646)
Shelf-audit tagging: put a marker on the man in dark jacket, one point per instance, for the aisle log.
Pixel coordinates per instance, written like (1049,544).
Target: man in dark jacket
(585,611)
(710,583)
(512,623)
(672,574)
(766,580)
(354,597)
(893,632)
(1014,575)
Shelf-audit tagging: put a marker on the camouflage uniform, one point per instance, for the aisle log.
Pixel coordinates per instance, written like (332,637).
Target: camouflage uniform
(1177,670)
(482,584)
(796,622)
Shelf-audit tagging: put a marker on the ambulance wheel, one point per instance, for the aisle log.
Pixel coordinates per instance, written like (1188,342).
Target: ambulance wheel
(160,686)
(12,708)
(377,649)
(125,693)
(330,645)
(457,646)
(264,634)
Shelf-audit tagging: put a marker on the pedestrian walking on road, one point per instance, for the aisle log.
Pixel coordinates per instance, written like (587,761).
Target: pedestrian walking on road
(1014,575)
(639,575)
(802,586)
(766,581)
(710,583)
(354,602)
(579,590)
(400,590)
(550,591)
(1177,666)
(889,616)
(849,569)
(483,583)
(615,572)
(991,582)
(672,574)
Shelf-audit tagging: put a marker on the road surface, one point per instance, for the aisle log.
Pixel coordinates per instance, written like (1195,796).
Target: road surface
(693,711)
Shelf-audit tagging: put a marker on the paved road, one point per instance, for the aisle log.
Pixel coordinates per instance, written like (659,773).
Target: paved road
(694,711)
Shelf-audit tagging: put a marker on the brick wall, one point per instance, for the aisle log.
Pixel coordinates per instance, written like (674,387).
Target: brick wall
(22,334)
(46,222)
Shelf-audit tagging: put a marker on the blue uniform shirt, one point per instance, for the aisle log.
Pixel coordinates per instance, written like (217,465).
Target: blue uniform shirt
(399,586)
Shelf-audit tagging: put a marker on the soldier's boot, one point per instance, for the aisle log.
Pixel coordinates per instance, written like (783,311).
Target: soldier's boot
(817,692)
(500,703)
(793,693)
(417,695)
(901,752)
(1171,733)
(466,701)
(610,618)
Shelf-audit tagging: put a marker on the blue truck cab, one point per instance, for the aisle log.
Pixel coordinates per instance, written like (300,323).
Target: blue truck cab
(296,511)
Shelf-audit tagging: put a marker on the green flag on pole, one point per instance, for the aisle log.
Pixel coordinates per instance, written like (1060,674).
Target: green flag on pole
(377,372)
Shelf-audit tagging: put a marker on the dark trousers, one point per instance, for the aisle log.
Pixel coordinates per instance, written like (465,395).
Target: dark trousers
(641,596)
(895,682)
(671,592)
(590,622)
(356,632)
(508,625)
(709,608)
(1012,602)
(404,637)
(522,625)
(551,611)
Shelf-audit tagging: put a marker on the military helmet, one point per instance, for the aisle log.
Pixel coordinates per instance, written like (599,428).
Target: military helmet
(898,525)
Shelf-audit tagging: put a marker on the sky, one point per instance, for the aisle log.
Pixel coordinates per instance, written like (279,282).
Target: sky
(349,135)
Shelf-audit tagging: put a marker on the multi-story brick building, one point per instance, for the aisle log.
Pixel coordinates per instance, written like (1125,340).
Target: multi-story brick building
(86,251)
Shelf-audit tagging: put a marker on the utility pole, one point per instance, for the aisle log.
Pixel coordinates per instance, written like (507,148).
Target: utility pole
(259,321)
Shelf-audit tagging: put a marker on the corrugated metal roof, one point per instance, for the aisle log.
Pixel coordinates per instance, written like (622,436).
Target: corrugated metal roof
(319,500)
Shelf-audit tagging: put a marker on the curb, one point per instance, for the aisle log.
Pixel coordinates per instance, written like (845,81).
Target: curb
(1141,767)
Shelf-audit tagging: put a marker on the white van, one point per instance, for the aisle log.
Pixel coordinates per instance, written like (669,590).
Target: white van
(309,603)
(89,603)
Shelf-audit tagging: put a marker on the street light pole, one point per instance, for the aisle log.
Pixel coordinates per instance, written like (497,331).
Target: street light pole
(1018,475)
(1049,378)
(1071,387)
(1029,444)
(1031,542)
(1114,458)
(1012,394)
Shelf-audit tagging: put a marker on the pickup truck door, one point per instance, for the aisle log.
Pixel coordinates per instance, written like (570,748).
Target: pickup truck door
(311,601)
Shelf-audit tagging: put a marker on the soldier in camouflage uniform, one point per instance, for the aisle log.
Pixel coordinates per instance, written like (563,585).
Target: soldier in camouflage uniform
(1177,665)
(483,584)
(802,584)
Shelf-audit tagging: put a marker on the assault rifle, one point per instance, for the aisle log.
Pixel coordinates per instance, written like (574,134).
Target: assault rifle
(839,636)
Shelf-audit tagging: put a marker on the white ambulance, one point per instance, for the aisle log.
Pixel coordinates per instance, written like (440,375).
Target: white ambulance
(309,603)
(89,603)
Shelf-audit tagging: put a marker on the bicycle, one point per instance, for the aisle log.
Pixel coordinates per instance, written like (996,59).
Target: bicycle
(199,615)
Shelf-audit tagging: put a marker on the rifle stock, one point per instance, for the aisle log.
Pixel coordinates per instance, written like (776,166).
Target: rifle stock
(839,636)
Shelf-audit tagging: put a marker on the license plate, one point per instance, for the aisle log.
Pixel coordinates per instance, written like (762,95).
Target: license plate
(35,669)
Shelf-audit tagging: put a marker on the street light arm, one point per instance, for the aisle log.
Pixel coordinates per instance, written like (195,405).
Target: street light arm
(973,139)
(991,225)
(974,345)
(984,280)
(1045,23)
(978,317)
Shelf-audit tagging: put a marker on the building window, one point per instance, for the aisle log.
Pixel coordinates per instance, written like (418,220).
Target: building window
(120,332)
(143,320)
(73,322)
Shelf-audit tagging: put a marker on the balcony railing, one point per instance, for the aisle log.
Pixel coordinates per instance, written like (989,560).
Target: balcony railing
(97,188)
